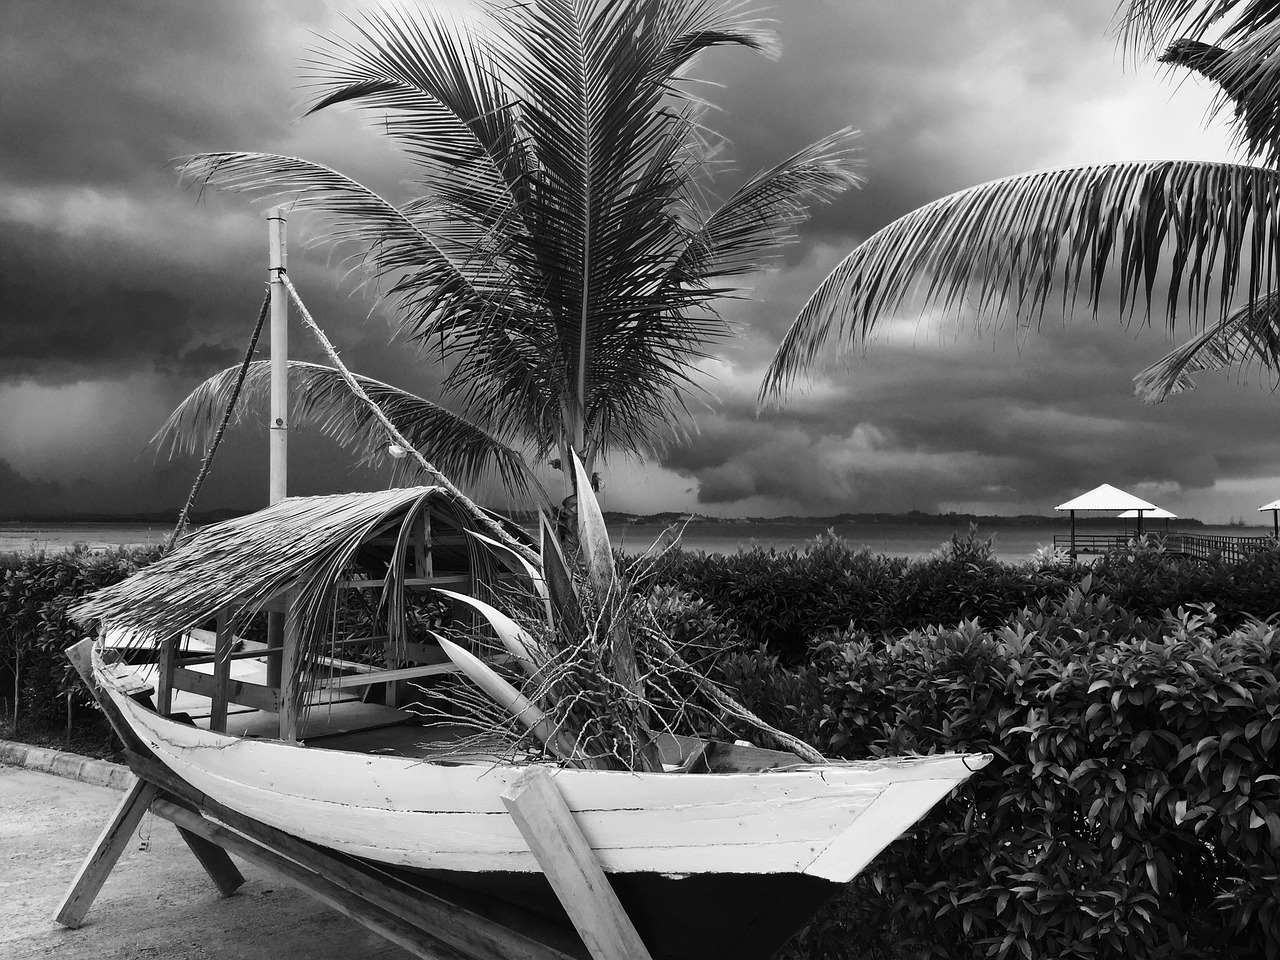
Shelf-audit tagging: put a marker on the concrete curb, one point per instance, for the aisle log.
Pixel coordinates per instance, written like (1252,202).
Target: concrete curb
(63,764)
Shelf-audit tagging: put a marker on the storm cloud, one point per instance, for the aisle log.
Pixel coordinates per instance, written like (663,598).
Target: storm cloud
(120,290)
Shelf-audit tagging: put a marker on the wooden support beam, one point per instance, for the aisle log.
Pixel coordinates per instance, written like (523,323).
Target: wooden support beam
(432,541)
(548,826)
(420,543)
(207,658)
(216,863)
(381,921)
(459,581)
(102,858)
(472,934)
(164,674)
(291,694)
(223,642)
(386,676)
(254,695)
(222,870)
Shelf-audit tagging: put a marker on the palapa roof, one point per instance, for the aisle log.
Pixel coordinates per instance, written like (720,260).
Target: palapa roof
(1108,498)
(299,543)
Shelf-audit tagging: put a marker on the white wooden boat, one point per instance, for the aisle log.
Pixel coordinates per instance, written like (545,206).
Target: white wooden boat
(757,835)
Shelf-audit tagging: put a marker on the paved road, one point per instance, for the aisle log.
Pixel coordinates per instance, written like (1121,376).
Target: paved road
(158,903)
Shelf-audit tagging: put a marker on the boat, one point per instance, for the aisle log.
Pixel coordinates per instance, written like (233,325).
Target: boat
(724,851)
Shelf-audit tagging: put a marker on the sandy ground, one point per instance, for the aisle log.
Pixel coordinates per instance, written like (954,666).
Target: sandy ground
(157,903)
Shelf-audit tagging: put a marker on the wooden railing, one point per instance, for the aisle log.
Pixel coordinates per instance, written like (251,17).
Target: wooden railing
(1093,542)
(1216,548)
(1185,544)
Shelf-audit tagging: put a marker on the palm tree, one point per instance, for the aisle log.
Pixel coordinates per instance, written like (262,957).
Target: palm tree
(1208,231)
(562,260)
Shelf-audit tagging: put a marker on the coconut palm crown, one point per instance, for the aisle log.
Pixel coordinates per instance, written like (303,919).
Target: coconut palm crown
(1206,233)
(561,259)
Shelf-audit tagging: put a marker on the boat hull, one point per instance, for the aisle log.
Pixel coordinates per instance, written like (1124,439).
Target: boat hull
(706,865)
(702,916)
(826,821)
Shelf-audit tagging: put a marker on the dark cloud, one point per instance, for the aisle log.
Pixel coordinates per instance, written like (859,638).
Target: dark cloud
(1018,430)
(21,496)
(117,286)
(106,93)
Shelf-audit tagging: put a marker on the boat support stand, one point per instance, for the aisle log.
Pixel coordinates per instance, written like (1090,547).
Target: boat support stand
(429,919)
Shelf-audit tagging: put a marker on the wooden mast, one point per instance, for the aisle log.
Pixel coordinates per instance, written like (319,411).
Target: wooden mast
(280,667)
(278,482)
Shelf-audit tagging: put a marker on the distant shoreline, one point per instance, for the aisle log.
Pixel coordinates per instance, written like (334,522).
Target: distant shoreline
(669,518)
(913,517)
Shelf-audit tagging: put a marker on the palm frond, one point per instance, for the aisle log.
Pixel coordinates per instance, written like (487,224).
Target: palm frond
(1249,336)
(431,85)
(758,220)
(1150,25)
(319,397)
(1248,76)
(386,239)
(1207,230)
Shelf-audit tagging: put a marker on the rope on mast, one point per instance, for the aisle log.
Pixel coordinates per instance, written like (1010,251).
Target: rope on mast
(207,462)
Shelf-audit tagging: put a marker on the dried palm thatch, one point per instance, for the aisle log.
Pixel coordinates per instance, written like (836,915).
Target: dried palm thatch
(300,547)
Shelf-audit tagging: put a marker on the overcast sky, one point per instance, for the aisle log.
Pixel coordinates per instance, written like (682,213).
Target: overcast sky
(119,291)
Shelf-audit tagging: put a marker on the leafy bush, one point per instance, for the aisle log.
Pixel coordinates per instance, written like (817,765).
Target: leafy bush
(39,687)
(1149,582)
(788,600)
(1132,808)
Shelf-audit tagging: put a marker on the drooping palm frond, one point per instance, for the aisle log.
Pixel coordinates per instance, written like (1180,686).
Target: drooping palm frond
(397,246)
(751,228)
(430,84)
(1239,58)
(1206,230)
(318,396)
(1147,26)
(1249,336)
(1248,76)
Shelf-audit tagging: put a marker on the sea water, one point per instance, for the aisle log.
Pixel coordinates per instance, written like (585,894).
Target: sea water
(1010,543)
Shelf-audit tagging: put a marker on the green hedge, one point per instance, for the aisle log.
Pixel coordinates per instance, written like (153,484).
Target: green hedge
(785,600)
(1132,809)
(38,689)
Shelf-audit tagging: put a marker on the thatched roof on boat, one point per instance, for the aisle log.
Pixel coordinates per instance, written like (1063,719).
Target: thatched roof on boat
(300,544)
